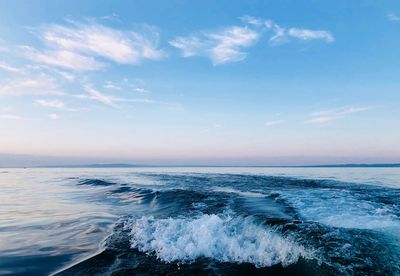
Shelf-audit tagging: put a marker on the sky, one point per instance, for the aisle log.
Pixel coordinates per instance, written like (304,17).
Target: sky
(200,82)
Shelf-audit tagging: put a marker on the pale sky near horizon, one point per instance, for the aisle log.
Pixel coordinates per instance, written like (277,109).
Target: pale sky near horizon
(227,82)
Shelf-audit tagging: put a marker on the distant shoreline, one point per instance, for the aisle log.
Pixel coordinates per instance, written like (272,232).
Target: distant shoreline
(122,165)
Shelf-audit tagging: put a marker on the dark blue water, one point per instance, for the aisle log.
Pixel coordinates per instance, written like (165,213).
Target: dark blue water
(218,221)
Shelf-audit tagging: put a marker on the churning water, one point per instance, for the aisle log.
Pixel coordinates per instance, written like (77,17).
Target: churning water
(200,220)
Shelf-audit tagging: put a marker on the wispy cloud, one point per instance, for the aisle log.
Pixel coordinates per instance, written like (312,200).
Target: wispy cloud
(393,17)
(79,46)
(229,44)
(109,100)
(221,46)
(56,104)
(282,34)
(273,123)
(306,34)
(98,96)
(326,116)
(125,86)
(112,86)
(9,68)
(251,20)
(66,75)
(141,90)
(113,17)
(13,117)
(47,103)
(41,85)
(63,58)
(321,119)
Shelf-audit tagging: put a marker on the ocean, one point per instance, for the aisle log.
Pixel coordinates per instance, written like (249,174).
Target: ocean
(205,220)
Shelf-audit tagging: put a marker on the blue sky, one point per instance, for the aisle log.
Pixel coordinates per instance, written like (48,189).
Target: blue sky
(201,82)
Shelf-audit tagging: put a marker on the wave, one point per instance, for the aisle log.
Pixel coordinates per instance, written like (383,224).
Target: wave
(218,221)
(95,182)
(235,191)
(338,208)
(220,237)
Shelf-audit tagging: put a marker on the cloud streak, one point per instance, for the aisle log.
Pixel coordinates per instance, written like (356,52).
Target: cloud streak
(55,104)
(282,34)
(273,123)
(109,100)
(228,44)
(86,46)
(221,46)
(327,116)
(306,34)
(30,87)
(13,117)
(9,68)
(63,58)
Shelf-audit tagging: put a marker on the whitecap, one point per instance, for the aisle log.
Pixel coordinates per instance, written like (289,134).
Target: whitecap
(340,208)
(241,193)
(219,237)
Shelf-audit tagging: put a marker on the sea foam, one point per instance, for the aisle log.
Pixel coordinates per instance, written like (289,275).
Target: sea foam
(339,208)
(219,237)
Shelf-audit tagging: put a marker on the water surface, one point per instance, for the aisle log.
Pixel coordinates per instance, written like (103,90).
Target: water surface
(200,220)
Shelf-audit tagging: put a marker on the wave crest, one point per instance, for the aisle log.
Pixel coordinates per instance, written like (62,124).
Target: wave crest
(219,237)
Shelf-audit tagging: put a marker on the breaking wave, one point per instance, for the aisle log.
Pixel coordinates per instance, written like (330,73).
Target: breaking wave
(220,237)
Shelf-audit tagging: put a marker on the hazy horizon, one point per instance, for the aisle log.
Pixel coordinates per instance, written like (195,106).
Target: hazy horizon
(21,160)
(264,83)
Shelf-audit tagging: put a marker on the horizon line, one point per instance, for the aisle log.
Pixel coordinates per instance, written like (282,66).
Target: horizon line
(129,165)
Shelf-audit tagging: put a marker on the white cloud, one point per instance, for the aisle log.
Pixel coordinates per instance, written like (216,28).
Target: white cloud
(66,75)
(112,86)
(326,116)
(321,119)
(112,101)
(227,45)
(353,110)
(41,85)
(141,90)
(125,86)
(306,34)
(98,96)
(281,34)
(273,123)
(221,46)
(230,42)
(54,104)
(12,117)
(112,17)
(79,45)
(190,45)
(9,68)
(54,116)
(63,58)
(393,17)
(251,20)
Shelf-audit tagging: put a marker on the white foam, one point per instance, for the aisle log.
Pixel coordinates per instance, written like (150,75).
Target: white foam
(220,237)
(234,191)
(339,208)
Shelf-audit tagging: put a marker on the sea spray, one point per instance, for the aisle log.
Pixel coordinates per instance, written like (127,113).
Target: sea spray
(220,237)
